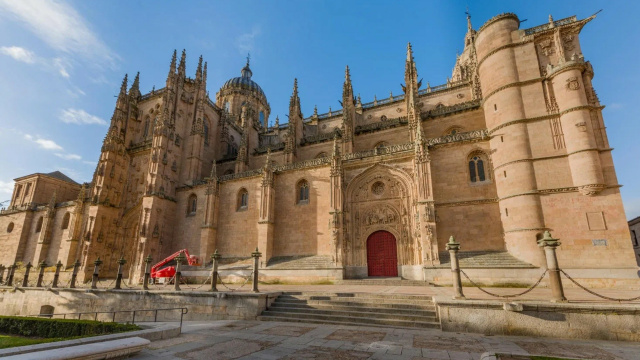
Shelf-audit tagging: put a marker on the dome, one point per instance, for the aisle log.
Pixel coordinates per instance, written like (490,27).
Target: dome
(244,82)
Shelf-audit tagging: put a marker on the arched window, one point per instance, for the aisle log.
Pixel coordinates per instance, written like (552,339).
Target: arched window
(206,133)
(381,144)
(146,128)
(192,205)
(227,106)
(453,130)
(302,189)
(10,227)
(262,118)
(477,167)
(39,225)
(65,221)
(243,199)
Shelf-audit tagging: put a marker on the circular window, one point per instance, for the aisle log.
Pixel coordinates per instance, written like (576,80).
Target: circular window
(10,227)
(378,188)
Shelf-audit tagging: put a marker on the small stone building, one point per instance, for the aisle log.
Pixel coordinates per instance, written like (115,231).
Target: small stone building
(513,144)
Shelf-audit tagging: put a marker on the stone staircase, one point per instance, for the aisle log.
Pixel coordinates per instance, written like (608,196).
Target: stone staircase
(378,310)
(484,259)
(300,262)
(382,282)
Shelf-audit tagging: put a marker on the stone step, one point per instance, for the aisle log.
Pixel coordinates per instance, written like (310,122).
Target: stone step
(382,282)
(345,320)
(294,302)
(360,301)
(400,314)
(300,262)
(358,295)
(484,259)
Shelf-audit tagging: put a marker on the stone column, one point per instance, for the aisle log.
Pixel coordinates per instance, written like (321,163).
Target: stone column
(41,274)
(56,276)
(256,258)
(25,281)
(555,282)
(214,271)
(147,272)
(453,247)
(74,274)
(96,270)
(121,263)
(179,259)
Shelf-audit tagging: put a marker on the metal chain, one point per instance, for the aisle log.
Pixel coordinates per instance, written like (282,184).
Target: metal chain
(196,288)
(596,294)
(505,296)
(230,289)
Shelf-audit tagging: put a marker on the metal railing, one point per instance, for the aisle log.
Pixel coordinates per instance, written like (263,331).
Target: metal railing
(183,311)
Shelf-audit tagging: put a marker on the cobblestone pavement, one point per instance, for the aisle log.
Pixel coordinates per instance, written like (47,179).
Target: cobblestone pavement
(227,339)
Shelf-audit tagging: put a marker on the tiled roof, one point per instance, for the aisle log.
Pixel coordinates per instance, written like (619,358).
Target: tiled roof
(60,176)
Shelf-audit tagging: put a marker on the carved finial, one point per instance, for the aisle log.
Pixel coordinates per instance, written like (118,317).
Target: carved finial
(277,123)
(375,100)
(359,102)
(135,87)
(199,69)
(248,58)
(469,27)
(123,87)
(204,73)
(315,110)
(173,62)
(183,61)
(347,75)
(409,52)
(551,24)
(391,95)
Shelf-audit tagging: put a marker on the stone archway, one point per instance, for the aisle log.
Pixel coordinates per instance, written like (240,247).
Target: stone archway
(382,254)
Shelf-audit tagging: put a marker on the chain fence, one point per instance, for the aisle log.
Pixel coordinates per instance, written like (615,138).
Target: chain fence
(528,290)
(246,281)
(596,294)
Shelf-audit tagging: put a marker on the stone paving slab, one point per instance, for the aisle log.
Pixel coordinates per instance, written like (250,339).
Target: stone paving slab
(276,340)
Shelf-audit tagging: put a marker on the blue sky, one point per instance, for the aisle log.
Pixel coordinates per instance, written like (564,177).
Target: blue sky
(61,62)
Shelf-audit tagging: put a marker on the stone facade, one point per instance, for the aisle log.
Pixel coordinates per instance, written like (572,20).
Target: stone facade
(512,145)
(634,228)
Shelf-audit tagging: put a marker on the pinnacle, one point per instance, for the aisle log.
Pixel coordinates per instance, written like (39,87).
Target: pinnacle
(347,75)
(409,52)
(123,87)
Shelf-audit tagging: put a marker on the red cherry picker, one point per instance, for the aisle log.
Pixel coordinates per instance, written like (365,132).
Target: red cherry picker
(159,272)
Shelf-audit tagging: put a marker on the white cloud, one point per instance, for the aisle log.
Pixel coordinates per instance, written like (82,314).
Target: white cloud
(6,187)
(59,64)
(44,143)
(60,26)
(68,156)
(246,42)
(79,117)
(92,163)
(18,53)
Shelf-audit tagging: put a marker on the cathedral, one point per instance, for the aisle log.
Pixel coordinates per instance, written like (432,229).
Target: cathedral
(513,144)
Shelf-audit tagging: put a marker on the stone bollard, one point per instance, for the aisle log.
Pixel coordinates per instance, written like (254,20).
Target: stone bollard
(453,247)
(1,273)
(256,258)
(56,276)
(74,274)
(179,259)
(555,282)
(147,272)
(11,274)
(214,271)
(121,263)
(96,271)
(41,273)
(25,281)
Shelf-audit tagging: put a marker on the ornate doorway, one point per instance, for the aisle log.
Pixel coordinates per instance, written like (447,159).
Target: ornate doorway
(382,254)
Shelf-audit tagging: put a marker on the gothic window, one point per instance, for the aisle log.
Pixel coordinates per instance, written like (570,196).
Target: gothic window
(65,221)
(262,118)
(39,225)
(243,199)
(302,190)
(10,227)
(452,131)
(192,205)
(227,106)
(380,145)
(477,167)
(321,155)
(206,133)
(146,128)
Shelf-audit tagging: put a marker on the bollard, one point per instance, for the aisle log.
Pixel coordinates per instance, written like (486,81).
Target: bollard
(42,265)
(256,257)
(121,263)
(179,259)
(96,270)
(25,281)
(147,272)
(555,282)
(11,274)
(1,273)
(214,270)
(74,274)
(56,276)
(453,247)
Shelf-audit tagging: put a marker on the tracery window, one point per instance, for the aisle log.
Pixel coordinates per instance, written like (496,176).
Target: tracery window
(477,167)
(243,199)
(206,133)
(39,225)
(10,227)
(146,128)
(65,221)
(302,190)
(192,205)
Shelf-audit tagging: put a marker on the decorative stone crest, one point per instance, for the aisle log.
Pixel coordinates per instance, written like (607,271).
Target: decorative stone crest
(590,190)
(573,83)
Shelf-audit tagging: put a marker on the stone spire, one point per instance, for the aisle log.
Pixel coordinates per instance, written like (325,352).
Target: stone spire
(347,88)
(134,91)
(348,112)
(204,75)
(199,70)
(411,92)
(172,67)
(183,63)
(294,102)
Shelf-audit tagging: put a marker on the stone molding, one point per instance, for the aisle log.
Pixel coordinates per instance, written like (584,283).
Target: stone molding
(499,48)
(525,229)
(468,202)
(544,117)
(475,135)
(497,18)
(517,83)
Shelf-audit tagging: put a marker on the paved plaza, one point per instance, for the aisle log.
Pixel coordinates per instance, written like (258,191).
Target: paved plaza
(228,339)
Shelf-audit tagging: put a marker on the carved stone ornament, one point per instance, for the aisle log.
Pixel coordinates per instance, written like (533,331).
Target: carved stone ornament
(582,126)
(547,47)
(378,188)
(590,190)
(573,83)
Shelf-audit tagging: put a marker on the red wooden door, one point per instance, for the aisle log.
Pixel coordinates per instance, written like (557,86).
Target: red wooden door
(382,255)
